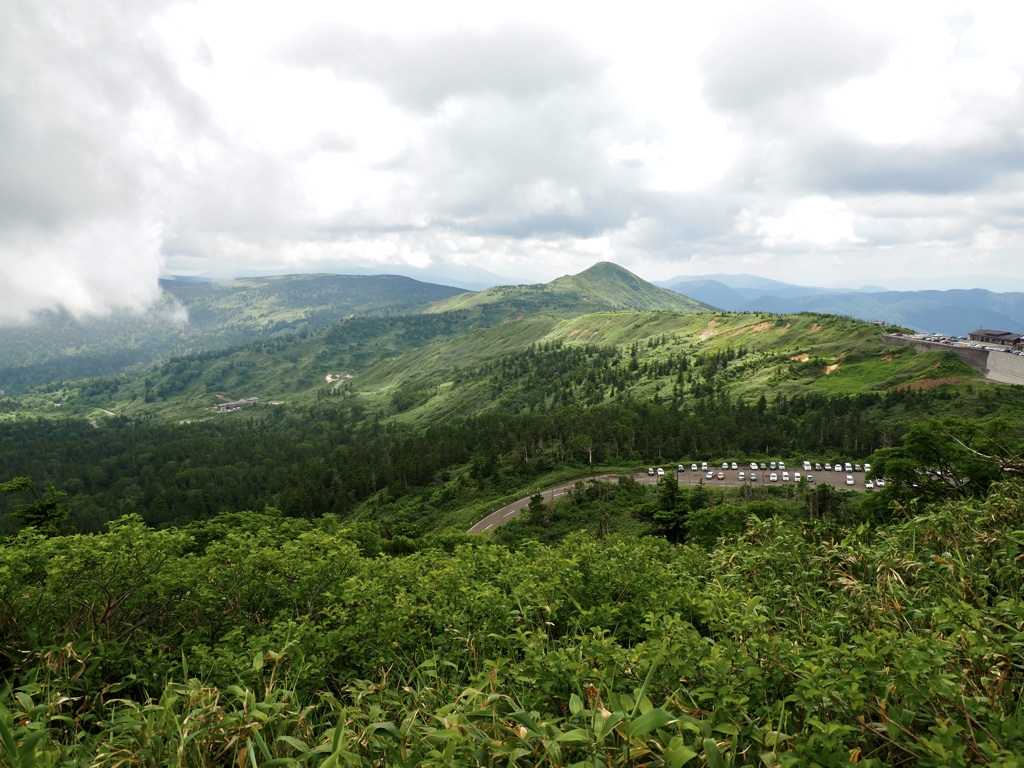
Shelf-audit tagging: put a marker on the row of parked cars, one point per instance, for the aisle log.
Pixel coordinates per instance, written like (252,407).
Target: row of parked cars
(778,470)
(839,466)
(962,341)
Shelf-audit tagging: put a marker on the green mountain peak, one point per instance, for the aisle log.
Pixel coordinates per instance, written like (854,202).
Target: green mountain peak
(609,280)
(603,287)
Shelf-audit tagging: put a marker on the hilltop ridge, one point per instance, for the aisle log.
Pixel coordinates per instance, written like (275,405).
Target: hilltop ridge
(603,287)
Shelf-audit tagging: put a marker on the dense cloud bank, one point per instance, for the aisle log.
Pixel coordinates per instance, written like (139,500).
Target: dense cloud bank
(878,146)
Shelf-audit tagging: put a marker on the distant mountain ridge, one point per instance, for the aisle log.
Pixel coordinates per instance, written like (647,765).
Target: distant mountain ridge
(954,312)
(199,315)
(753,286)
(196,315)
(466,277)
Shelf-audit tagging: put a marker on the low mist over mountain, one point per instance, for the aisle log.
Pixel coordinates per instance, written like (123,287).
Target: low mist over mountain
(952,312)
(197,315)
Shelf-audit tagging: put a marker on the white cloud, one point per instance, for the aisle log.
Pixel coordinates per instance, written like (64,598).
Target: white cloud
(229,138)
(772,53)
(814,221)
(936,87)
(87,269)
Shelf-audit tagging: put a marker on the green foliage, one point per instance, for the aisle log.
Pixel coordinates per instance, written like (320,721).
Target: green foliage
(277,642)
(706,526)
(949,457)
(598,507)
(671,511)
(48,516)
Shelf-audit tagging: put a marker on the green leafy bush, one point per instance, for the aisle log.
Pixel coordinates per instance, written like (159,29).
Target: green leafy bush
(786,642)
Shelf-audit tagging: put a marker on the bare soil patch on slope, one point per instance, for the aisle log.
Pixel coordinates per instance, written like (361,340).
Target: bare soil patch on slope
(931,383)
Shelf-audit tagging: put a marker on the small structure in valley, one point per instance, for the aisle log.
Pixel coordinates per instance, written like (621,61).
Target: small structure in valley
(235,405)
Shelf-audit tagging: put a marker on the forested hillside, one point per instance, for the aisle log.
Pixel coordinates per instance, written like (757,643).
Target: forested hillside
(450,417)
(428,366)
(314,463)
(290,582)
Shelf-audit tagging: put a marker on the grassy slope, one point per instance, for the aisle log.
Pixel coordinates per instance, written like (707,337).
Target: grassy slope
(444,369)
(787,355)
(833,354)
(602,287)
(439,375)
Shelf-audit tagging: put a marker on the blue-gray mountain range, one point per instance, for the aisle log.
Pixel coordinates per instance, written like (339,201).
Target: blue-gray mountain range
(952,312)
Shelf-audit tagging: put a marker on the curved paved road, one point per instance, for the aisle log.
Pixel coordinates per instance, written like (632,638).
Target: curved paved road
(513,510)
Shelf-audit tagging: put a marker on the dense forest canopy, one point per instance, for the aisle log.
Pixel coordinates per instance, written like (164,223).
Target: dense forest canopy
(315,463)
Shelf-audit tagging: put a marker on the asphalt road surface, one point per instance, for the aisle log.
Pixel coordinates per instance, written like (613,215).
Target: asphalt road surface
(825,477)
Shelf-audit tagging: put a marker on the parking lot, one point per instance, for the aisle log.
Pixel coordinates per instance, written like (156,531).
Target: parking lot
(782,473)
(961,342)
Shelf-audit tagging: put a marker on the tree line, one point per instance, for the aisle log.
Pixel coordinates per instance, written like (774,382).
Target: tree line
(315,462)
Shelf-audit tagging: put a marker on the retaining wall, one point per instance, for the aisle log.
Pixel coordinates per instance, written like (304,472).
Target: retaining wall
(996,366)
(1008,369)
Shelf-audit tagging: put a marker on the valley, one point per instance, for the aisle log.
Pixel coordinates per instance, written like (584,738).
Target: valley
(334,420)
(729,478)
(431,537)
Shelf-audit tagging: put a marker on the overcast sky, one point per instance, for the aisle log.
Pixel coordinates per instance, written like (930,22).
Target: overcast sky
(830,144)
